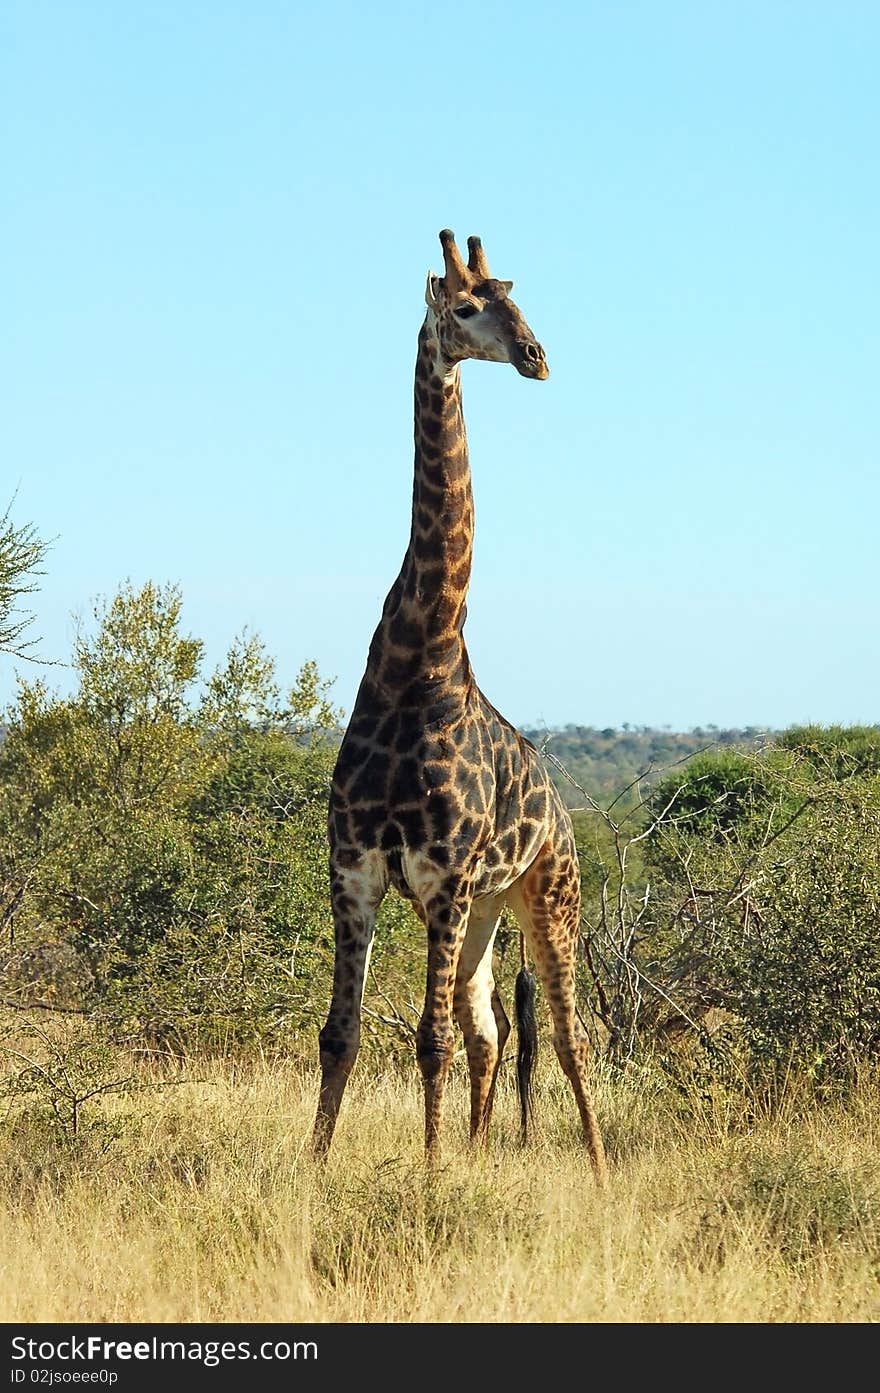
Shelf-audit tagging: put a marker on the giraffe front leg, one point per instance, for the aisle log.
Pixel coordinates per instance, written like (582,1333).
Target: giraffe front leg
(435,1037)
(355,898)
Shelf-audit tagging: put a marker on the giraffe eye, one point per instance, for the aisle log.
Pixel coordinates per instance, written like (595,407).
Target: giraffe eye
(466,311)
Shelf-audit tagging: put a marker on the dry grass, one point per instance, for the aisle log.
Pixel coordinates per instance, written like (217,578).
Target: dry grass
(199,1202)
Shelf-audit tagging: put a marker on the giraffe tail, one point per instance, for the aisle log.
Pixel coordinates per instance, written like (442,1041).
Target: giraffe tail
(525,993)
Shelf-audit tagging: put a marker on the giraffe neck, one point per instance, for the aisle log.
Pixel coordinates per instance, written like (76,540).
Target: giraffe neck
(419,639)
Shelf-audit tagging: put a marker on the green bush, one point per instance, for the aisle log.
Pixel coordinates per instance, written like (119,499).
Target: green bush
(765,901)
(162,844)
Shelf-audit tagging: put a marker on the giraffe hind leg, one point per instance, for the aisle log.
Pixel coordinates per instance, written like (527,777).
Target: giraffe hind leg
(546,901)
(480,1013)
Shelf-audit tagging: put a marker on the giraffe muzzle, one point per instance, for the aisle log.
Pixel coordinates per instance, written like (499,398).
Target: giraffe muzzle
(530,360)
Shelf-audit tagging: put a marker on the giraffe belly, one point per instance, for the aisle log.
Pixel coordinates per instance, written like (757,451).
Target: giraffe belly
(423,879)
(506,859)
(418,876)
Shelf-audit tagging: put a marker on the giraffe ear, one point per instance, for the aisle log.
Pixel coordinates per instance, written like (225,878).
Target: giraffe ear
(432,290)
(507,286)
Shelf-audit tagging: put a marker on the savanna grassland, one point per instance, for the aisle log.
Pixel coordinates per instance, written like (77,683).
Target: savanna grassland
(166,954)
(195,1200)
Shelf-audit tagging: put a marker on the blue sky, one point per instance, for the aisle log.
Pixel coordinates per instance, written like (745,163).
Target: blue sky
(215,225)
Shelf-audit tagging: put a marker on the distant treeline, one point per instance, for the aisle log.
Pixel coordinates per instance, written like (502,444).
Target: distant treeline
(606,761)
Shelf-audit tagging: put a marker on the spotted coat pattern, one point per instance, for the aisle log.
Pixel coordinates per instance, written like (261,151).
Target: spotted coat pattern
(435,793)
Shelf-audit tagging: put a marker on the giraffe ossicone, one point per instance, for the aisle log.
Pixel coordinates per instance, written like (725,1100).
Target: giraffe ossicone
(434,793)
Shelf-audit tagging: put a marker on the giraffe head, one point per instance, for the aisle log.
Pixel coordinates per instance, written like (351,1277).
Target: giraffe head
(475,317)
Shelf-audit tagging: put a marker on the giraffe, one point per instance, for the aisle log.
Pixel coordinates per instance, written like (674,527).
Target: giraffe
(434,792)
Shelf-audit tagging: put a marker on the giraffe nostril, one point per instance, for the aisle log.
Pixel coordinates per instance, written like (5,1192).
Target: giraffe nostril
(533,352)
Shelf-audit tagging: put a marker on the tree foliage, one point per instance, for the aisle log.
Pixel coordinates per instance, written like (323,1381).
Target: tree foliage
(163,868)
(162,839)
(21,555)
(758,899)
